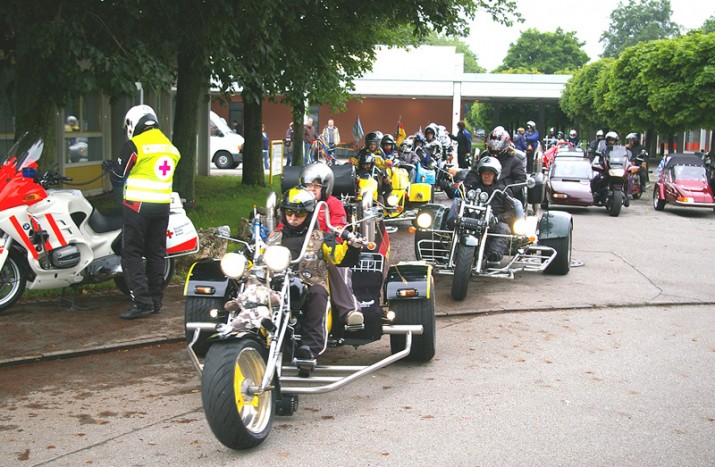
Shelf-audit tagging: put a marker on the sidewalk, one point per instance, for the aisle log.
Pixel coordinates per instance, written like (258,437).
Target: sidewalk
(35,329)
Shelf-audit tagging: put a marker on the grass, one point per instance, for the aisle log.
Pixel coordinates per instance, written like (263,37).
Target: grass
(219,201)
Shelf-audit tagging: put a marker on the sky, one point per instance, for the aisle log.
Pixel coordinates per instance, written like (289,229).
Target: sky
(589,18)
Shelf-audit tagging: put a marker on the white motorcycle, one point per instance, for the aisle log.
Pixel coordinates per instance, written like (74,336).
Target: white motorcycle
(54,238)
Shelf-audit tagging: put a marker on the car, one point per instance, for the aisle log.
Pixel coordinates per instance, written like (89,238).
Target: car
(568,180)
(224,144)
(682,181)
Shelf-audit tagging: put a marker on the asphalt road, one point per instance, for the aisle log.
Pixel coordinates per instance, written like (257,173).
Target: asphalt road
(612,364)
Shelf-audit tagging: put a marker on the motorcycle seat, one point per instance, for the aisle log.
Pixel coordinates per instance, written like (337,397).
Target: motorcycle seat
(102,223)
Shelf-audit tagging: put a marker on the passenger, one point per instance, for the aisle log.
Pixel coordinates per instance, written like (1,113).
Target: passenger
(318,178)
(295,207)
(512,169)
(367,168)
(432,143)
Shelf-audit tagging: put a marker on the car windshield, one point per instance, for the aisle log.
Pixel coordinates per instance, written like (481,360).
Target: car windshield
(688,172)
(25,151)
(571,169)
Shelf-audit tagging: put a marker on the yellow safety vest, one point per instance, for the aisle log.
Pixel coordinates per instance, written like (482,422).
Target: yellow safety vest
(151,178)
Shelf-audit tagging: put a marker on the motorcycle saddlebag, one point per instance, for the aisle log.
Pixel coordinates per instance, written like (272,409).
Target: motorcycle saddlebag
(535,195)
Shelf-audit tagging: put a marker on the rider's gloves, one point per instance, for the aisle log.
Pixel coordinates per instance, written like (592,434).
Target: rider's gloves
(108,166)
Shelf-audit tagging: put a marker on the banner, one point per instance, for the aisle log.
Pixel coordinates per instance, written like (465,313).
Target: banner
(357,131)
(400,135)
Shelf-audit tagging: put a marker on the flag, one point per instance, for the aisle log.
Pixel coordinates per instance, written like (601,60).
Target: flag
(400,134)
(357,131)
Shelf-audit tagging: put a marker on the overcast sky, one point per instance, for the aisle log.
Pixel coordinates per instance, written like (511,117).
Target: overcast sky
(589,18)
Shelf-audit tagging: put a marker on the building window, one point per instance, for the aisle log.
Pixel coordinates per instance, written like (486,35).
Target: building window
(84,141)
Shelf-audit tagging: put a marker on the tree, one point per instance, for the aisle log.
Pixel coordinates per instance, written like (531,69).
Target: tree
(637,21)
(580,100)
(708,26)
(547,52)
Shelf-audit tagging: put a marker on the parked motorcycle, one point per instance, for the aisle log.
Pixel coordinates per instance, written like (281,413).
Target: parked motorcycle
(611,179)
(634,177)
(53,238)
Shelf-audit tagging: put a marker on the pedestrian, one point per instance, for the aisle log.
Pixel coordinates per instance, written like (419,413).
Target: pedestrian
(331,134)
(266,162)
(464,145)
(147,163)
(288,142)
(309,137)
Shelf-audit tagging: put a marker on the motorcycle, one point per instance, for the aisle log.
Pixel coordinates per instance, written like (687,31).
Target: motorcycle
(250,372)
(634,177)
(54,238)
(612,171)
(453,240)
(405,197)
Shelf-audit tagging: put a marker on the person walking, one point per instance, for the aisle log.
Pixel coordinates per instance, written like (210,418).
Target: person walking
(147,163)
(309,137)
(464,145)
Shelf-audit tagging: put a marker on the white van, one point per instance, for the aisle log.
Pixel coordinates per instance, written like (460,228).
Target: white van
(224,144)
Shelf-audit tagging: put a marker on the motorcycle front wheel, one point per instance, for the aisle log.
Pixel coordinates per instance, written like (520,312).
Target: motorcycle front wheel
(463,261)
(13,278)
(238,417)
(614,205)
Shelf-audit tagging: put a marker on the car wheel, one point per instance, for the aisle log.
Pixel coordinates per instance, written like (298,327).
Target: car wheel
(223,160)
(658,204)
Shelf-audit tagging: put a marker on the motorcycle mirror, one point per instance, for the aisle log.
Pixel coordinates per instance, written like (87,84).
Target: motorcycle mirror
(530,182)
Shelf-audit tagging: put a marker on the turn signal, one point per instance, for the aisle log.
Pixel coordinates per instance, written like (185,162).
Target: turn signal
(204,290)
(31,197)
(411,229)
(404,293)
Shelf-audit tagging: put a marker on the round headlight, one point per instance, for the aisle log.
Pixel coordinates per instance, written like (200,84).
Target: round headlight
(483,196)
(424,220)
(392,200)
(233,265)
(520,227)
(277,258)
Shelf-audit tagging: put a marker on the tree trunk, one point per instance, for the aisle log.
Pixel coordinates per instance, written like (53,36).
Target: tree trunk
(298,125)
(190,82)
(253,173)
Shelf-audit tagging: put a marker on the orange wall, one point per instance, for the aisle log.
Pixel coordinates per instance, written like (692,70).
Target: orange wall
(375,113)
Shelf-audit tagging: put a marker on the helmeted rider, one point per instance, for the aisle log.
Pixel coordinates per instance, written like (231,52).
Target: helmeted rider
(636,148)
(512,168)
(296,206)
(532,144)
(594,144)
(367,168)
(389,146)
(573,138)
(146,165)
(485,177)
(551,138)
(604,148)
(319,179)
(432,144)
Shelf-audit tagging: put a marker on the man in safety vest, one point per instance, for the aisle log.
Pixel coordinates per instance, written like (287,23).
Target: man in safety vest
(147,163)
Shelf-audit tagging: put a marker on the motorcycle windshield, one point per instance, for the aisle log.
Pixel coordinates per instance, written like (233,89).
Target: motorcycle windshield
(617,157)
(24,152)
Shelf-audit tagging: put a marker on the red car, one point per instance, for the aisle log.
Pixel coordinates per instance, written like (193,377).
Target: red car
(569,181)
(682,181)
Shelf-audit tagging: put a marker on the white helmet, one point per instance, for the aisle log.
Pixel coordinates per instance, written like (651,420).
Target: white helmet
(491,164)
(572,133)
(138,119)
(531,124)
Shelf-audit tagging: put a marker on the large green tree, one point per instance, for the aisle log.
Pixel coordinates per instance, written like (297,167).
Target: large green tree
(580,100)
(544,52)
(637,21)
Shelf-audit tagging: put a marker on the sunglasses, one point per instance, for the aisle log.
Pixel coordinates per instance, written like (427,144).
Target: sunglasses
(313,186)
(291,212)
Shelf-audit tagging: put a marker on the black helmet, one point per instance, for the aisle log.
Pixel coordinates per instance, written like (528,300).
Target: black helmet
(388,139)
(499,141)
(321,174)
(298,199)
(366,158)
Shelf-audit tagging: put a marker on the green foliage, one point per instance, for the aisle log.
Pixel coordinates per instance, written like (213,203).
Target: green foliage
(635,22)
(547,52)
(580,100)
(708,26)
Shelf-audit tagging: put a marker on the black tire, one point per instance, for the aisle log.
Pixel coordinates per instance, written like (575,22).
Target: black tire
(614,208)
(196,310)
(561,265)
(239,421)
(658,204)
(637,190)
(13,279)
(168,274)
(224,160)
(416,312)
(463,261)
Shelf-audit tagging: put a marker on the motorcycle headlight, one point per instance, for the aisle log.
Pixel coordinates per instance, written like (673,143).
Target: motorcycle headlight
(392,200)
(520,227)
(277,258)
(233,265)
(618,173)
(424,220)
(483,196)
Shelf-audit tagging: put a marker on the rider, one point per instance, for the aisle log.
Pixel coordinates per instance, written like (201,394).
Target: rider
(295,208)
(604,148)
(389,146)
(573,138)
(367,167)
(512,169)
(551,139)
(634,146)
(593,145)
(486,178)
(318,178)
(432,143)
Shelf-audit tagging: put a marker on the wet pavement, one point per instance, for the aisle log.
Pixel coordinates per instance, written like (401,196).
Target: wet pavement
(42,329)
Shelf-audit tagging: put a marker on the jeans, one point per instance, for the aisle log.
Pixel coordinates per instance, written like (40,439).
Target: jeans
(265,160)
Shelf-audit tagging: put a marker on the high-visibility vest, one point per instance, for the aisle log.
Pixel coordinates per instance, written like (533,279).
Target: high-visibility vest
(151,178)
